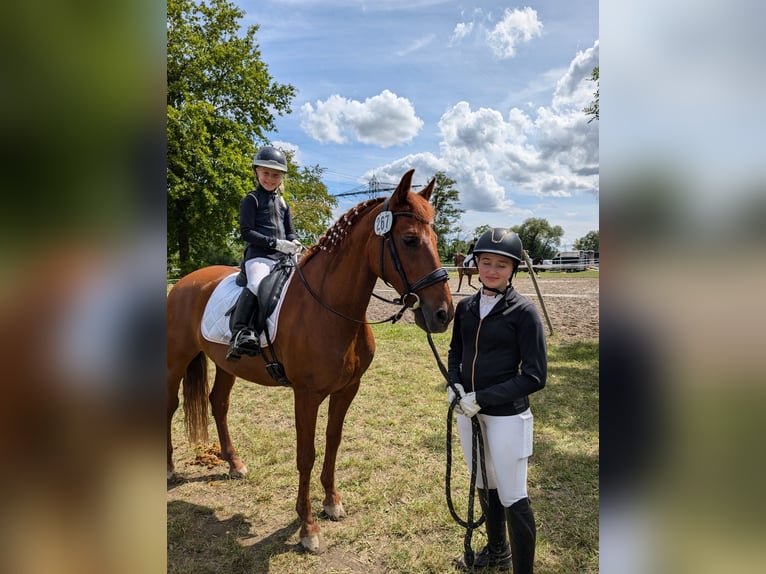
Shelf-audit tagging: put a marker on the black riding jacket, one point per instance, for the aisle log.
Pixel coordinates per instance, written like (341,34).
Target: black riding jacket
(503,357)
(264,217)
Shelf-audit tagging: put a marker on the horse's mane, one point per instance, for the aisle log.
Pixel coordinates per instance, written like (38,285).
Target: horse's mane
(335,234)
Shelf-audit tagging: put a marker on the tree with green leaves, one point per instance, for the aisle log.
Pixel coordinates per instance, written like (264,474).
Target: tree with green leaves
(481,230)
(310,202)
(588,242)
(220,101)
(592,109)
(539,238)
(445,199)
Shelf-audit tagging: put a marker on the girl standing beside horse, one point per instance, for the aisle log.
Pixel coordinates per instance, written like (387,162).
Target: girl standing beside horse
(498,355)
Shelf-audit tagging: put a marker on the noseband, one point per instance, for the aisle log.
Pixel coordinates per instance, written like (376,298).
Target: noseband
(384,223)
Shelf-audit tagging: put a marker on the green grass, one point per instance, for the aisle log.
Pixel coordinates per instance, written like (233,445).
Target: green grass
(390,474)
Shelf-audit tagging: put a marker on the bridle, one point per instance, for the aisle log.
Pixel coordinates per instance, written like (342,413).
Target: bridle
(384,223)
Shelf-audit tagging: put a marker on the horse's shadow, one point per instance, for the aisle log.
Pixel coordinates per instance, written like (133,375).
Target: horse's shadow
(179,480)
(197,537)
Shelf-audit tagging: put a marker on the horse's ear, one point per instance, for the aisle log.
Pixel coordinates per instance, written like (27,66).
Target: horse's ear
(428,190)
(403,189)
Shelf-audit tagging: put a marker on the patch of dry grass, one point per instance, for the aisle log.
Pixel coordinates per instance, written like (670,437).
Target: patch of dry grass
(390,473)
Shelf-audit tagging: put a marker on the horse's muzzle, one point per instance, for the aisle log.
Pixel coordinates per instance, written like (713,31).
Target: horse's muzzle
(434,320)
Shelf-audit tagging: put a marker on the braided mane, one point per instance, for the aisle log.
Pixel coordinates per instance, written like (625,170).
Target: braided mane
(335,234)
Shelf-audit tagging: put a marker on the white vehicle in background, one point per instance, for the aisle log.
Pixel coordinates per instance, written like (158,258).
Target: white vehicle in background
(570,261)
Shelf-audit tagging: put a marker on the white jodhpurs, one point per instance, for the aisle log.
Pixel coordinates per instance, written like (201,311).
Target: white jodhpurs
(507,446)
(256,270)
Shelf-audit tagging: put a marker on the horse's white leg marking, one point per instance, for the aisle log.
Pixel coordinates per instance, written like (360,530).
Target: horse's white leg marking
(334,511)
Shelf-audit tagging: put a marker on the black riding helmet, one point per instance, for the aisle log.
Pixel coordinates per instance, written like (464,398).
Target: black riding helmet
(500,241)
(270,157)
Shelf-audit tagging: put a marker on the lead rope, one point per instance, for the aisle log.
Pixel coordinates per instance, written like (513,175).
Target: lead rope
(477,444)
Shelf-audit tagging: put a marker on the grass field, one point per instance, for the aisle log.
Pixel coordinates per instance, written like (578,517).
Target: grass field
(391,469)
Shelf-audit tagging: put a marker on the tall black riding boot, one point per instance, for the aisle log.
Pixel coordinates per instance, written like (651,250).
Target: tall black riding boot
(243,340)
(523,534)
(497,552)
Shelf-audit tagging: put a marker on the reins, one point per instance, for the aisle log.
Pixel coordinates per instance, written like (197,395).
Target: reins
(393,318)
(477,444)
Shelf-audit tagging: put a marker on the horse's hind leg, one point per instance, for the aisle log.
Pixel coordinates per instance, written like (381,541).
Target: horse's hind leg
(339,403)
(174,375)
(219,403)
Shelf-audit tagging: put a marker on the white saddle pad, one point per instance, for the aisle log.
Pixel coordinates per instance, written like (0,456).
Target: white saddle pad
(215,325)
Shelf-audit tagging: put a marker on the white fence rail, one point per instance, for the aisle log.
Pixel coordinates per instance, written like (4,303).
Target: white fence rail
(549,266)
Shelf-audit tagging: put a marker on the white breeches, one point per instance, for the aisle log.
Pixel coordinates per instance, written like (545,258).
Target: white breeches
(507,446)
(256,269)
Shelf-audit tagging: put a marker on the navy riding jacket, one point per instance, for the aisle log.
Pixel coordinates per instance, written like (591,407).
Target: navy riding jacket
(264,217)
(503,357)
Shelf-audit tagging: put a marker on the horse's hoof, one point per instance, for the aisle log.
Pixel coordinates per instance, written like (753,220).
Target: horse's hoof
(314,544)
(334,511)
(240,472)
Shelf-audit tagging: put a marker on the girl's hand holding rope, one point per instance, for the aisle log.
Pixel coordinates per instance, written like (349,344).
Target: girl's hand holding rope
(468,405)
(451,396)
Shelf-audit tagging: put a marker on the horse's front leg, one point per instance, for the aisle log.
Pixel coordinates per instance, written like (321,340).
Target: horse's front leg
(219,403)
(339,403)
(306,407)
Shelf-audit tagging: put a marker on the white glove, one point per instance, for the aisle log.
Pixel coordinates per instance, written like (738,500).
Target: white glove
(469,406)
(298,245)
(287,247)
(451,395)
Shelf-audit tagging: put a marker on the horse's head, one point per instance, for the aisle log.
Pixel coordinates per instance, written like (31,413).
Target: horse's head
(406,257)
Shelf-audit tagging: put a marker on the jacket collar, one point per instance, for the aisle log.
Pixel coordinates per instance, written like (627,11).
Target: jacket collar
(508,296)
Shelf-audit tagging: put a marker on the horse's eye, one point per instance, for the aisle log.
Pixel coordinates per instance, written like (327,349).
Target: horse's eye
(411,241)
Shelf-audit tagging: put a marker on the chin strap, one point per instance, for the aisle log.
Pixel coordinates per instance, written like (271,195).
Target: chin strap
(485,288)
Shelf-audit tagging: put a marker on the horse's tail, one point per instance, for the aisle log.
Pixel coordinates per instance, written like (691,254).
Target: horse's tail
(195,399)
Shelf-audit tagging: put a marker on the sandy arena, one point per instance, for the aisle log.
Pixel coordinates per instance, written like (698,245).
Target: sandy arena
(571,302)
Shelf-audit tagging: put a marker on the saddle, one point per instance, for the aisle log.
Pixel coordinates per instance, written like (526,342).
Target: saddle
(269,290)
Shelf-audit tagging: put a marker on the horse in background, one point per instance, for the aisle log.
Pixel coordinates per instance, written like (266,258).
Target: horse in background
(324,342)
(467,271)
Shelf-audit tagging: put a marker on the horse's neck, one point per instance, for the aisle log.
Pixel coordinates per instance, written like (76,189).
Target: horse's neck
(342,279)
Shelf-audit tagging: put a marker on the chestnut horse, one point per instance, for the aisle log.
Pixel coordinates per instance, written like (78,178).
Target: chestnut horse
(467,271)
(324,341)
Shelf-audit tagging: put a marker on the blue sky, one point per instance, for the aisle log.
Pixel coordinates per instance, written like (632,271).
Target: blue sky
(490,93)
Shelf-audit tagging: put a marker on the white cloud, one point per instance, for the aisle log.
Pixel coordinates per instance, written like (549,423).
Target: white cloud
(462,29)
(325,123)
(571,90)
(496,159)
(517,26)
(425,165)
(417,45)
(291,148)
(383,120)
